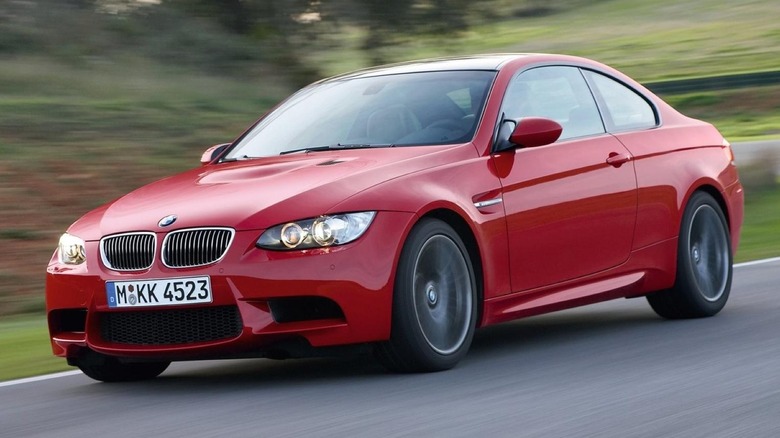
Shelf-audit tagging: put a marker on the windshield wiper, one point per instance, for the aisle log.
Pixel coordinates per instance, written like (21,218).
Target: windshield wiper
(337,146)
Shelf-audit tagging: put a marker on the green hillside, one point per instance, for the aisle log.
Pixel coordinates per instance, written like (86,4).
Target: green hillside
(648,40)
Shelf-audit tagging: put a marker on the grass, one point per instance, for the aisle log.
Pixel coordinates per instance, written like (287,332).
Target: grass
(26,351)
(743,114)
(761,230)
(73,137)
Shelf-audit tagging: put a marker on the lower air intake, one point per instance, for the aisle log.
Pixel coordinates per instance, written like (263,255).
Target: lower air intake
(168,327)
(304,309)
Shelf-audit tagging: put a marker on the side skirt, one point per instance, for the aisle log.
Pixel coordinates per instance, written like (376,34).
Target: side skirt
(647,270)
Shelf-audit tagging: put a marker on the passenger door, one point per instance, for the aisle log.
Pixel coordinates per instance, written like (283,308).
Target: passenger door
(570,206)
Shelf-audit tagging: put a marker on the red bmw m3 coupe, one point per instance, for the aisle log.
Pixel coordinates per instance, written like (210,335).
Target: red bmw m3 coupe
(400,208)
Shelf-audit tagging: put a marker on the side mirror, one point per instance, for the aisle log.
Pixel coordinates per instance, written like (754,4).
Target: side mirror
(531,132)
(212,153)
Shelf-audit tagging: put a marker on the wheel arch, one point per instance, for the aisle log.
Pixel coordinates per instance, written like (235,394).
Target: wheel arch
(466,234)
(717,195)
(690,297)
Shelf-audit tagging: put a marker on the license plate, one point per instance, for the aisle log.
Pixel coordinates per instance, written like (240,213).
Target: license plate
(165,292)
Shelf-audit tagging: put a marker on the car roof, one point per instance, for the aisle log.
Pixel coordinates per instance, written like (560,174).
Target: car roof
(492,61)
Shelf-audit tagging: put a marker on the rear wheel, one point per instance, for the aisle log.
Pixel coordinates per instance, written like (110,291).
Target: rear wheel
(434,302)
(704,263)
(110,369)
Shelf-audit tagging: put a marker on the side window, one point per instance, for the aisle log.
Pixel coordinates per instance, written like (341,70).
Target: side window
(627,109)
(558,93)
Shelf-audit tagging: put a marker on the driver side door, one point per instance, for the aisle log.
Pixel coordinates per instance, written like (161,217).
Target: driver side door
(571,205)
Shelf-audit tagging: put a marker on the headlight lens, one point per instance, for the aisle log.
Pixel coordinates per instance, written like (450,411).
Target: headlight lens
(71,250)
(319,232)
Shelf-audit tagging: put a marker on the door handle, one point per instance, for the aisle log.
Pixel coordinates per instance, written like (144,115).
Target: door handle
(616,160)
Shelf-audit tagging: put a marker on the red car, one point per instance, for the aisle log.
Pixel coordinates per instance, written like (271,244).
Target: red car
(400,208)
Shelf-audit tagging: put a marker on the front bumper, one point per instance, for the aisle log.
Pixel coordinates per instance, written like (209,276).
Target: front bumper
(261,300)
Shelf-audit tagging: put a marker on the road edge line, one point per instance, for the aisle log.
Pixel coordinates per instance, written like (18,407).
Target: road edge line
(39,378)
(757,262)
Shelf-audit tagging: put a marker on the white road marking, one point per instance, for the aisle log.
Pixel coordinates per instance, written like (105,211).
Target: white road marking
(39,378)
(757,262)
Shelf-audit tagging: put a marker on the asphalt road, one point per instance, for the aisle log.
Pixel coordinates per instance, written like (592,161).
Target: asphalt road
(608,370)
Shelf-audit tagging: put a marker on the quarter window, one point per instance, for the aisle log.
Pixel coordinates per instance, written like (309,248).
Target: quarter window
(627,109)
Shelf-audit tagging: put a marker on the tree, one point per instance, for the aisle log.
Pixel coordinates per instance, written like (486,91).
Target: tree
(271,23)
(386,23)
(291,29)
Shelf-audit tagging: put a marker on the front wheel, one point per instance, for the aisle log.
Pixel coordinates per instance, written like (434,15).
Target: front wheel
(434,302)
(704,263)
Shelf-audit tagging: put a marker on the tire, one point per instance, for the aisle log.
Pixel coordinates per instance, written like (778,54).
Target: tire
(109,369)
(704,263)
(434,302)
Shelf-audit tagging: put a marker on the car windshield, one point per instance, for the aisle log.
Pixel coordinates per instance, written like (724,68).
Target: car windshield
(430,108)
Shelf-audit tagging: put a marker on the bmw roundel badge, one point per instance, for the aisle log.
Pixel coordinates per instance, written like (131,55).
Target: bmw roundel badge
(167,220)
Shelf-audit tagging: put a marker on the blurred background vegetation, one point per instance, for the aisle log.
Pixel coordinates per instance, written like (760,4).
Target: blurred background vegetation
(98,97)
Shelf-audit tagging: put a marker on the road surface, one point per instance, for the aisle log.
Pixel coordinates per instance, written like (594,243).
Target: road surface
(608,370)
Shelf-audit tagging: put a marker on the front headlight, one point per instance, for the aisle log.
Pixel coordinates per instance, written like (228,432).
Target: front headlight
(71,250)
(319,232)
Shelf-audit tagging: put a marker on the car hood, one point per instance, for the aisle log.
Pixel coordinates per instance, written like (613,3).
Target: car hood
(259,193)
